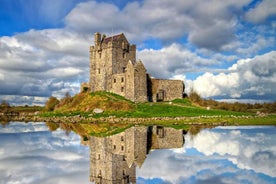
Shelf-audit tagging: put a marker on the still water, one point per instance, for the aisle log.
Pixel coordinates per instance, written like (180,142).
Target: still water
(31,153)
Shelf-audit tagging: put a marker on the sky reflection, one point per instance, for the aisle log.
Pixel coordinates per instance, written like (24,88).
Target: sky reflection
(219,155)
(29,153)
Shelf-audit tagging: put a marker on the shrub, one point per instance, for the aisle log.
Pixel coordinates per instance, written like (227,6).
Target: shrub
(51,103)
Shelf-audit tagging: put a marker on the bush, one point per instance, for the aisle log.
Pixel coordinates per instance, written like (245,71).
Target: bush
(51,103)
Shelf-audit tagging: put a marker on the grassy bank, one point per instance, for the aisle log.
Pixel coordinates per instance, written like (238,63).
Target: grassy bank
(117,106)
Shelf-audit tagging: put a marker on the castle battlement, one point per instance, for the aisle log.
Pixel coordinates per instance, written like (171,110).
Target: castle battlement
(113,68)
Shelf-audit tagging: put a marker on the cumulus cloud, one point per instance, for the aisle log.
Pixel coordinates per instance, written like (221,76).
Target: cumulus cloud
(248,78)
(209,24)
(173,60)
(42,63)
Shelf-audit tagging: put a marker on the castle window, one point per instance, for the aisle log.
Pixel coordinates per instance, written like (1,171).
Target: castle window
(122,138)
(114,80)
(122,148)
(160,132)
(122,79)
(122,89)
(99,70)
(124,69)
(99,157)
(114,147)
(100,174)
(124,55)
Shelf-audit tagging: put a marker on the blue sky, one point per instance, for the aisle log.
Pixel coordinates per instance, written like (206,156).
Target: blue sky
(221,49)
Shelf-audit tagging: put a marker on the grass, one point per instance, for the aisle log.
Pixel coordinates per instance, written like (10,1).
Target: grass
(117,106)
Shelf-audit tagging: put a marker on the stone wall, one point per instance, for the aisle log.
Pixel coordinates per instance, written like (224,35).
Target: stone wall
(140,82)
(165,138)
(119,84)
(107,160)
(166,90)
(85,87)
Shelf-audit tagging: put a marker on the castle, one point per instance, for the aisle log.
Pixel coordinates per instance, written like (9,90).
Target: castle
(113,159)
(113,68)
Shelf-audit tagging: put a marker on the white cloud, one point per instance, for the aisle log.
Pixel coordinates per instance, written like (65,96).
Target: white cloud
(263,10)
(54,157)
(172,60)
(230,155)
(247,78)
(206,23)
(41,62)
(247,151)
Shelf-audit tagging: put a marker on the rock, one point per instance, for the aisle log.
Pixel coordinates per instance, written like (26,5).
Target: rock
(98,110)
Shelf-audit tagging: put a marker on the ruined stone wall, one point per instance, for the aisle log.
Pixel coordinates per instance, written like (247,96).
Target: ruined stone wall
(85,86)
(165,138)
(166,90)
(130,81)
(140,83)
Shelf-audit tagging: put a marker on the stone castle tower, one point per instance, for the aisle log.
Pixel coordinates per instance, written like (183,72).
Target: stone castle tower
(113,68)
(113,159)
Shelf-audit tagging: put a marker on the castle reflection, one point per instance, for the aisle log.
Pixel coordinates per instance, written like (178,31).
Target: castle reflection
(113,159)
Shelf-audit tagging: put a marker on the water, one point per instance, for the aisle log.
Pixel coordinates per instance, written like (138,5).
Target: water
(30,153)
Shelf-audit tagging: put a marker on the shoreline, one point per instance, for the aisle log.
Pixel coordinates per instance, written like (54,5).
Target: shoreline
(193,120)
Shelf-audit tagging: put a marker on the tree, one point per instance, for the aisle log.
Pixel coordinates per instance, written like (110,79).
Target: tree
(194,96)
(4,103)
(51,103)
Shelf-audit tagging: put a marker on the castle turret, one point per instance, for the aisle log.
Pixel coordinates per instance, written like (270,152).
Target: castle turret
(97,38)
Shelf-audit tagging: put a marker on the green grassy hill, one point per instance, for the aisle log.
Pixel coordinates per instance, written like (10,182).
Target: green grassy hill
(87,102)
(118,106)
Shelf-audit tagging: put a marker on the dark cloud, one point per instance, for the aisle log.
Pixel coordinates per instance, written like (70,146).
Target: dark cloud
(213,37)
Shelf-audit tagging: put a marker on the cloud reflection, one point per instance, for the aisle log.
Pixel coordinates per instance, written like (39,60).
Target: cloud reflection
(31,154)
(219,155)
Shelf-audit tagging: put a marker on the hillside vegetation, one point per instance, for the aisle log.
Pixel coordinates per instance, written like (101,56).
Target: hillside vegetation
(118,106)
(87,102)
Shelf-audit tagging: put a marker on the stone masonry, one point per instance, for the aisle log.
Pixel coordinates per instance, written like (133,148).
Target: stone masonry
(113,68)
(113,159)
